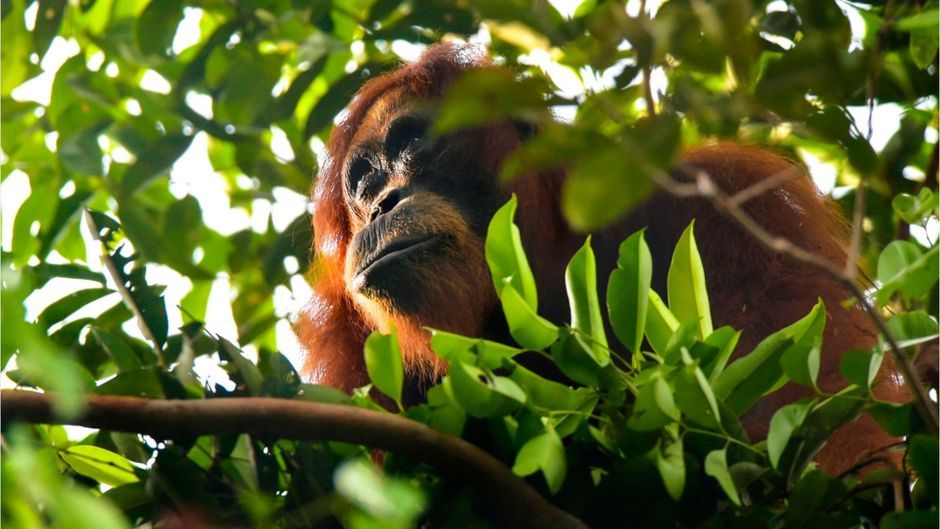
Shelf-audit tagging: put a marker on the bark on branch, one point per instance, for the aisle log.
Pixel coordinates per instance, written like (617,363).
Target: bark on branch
(511,502)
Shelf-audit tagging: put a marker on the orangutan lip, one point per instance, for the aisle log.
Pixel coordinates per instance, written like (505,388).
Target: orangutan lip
(393,250)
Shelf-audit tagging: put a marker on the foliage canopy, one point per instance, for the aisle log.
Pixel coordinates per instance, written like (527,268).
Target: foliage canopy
(166,138)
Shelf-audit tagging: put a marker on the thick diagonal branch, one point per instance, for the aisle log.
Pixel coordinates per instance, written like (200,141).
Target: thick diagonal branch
(511,502)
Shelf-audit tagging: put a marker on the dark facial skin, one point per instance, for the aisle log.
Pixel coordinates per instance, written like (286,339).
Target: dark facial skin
(418,208)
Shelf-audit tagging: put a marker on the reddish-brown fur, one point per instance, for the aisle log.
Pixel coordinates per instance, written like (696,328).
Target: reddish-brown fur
(751,288)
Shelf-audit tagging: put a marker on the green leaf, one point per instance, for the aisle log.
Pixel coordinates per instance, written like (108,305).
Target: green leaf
(48,19)
(687,293)
(823,419)
(913,325)
(716,466)
(384,364)
(671,465)
(785,421)
(601,186)
(450,346)
(860,367)
(915,209)
(397,502)
(926,19)
(923,46)
(546,453)
(506,256)
(909,520)
(811,497)
(801,361)
(742,383)
(155,159)
(99,464)
(923,456)
(654,407)
(248,371)
(157,25)
(324,394)
(724,339)
(897,256)
(902,266)
(694,396)
(69,304)
(660,323)
(482,394)
(893,418)
(581,283)
(122,355)
(528,328)
(628,291)
(573,356)
(685,337)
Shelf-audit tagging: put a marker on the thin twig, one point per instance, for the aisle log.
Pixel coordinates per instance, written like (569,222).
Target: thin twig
(762,186)
(122,289)
(510,501)
(647,69)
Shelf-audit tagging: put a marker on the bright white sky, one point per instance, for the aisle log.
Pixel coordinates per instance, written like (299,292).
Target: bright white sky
(193,175)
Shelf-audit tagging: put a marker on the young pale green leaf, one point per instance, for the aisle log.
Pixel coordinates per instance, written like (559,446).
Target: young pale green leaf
(482,394)
(895,257)
(694,396)
(914,209)
(724,339)
(914,276)
(742,383)
(546,453)
(716,466)
(801,363)
(913,325)
(671,465)
(493,355)
(449,346)
(660,323)
(396,501)
(546,394)
(528,328)
(383,363)
(860,367)
(103,466)
(688,297)
(782,425)
(684,338)
(506,256)
(587,200)
(440,412)
(324,394)
(654,407)
(628,291)
(573,356)
(581,283)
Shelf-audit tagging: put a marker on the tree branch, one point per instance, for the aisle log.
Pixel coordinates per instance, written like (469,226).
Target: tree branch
(511,502)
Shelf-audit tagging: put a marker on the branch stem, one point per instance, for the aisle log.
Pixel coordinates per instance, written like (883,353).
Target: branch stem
(511,502)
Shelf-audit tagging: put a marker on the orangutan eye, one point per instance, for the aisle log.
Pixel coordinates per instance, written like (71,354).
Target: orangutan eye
(356,179)
(404,133)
